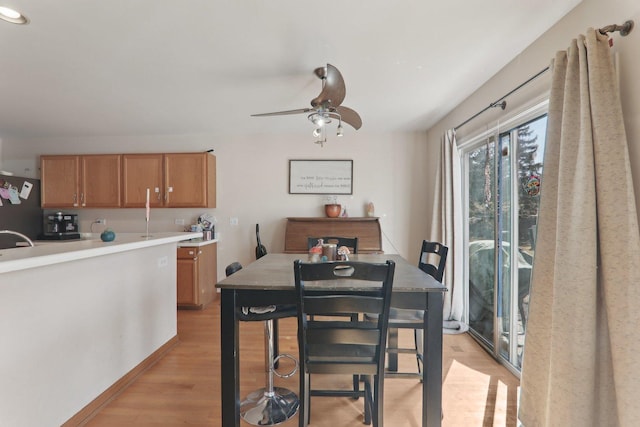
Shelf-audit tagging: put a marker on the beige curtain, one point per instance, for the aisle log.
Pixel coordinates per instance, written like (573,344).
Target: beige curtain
(447,228)
(581,362)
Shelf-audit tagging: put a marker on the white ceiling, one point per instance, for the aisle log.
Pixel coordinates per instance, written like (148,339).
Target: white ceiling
(153,67)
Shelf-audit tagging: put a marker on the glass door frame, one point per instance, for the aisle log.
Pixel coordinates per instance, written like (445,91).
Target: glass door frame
(495,134)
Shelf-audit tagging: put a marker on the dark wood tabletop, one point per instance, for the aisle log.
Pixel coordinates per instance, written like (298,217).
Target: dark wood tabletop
(275,272)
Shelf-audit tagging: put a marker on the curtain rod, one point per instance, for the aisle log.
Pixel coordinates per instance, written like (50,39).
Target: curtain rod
(624,30)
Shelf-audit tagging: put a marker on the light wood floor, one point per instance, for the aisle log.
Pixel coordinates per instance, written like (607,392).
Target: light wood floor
(184,387)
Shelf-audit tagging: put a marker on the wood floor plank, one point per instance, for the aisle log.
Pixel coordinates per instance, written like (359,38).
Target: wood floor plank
(183,389)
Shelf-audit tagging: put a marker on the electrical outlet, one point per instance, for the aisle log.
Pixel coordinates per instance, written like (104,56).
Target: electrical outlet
(163,261)
(179,221)
(101,221)
(233,220)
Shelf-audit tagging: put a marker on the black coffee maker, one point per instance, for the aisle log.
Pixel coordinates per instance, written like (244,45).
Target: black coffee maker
(61,226)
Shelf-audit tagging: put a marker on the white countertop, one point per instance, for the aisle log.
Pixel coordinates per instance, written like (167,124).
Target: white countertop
(196,243)
(56,252)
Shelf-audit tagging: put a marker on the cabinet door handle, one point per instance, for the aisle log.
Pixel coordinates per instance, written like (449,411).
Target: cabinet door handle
(82,199)
(75,199)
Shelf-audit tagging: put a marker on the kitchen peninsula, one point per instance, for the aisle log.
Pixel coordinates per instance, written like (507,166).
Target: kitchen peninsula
(79,320)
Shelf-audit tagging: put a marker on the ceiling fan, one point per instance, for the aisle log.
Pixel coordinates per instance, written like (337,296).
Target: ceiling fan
(327,105)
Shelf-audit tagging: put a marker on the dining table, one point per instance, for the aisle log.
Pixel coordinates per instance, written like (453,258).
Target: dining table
(270,281)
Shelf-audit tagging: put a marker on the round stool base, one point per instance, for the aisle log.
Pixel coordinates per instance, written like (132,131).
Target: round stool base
(261,408)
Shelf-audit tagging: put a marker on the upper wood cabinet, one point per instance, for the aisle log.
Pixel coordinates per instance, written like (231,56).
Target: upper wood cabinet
(175,180)
(91,181)
(139,172)
(100,181)
(60,181)
(190,180)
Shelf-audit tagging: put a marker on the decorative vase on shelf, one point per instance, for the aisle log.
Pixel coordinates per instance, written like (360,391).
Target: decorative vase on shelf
(371,211)
(332,210)
(108,235)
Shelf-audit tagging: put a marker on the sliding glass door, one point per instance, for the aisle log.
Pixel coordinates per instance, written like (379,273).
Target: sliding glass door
(503,172)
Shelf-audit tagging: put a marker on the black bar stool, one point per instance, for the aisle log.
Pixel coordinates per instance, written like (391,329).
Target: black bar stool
(268,405)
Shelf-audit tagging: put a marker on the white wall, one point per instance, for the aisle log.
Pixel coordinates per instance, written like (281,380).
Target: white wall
(590,13)
(390,170)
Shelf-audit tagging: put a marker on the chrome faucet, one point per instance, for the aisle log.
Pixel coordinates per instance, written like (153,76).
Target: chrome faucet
(15,233)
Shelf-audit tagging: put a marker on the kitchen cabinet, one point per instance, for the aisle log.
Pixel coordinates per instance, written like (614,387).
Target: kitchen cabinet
(74,181)
(197,274)
(190,180)
(175,180)
(139,172)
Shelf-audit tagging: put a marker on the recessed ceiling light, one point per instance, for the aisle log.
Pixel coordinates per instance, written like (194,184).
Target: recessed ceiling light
(12,16)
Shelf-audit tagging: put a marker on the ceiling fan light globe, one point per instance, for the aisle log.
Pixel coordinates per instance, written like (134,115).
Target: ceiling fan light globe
(12,16)
(9,13)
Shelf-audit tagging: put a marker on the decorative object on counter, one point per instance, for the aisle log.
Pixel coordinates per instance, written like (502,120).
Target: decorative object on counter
(331,207)
(329,251)
(371,211)
(207,223)
(332,210)
(343,253)
(147,216)
(344,212)
(315,252)
(108,235)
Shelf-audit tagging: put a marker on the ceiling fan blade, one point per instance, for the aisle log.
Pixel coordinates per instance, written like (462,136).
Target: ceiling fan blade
(283,113)
(333,88)
(349,116)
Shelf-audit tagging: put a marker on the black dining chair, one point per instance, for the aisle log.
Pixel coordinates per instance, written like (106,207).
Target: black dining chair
(350,242)
(433,258)
(333,346)
(268,405)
